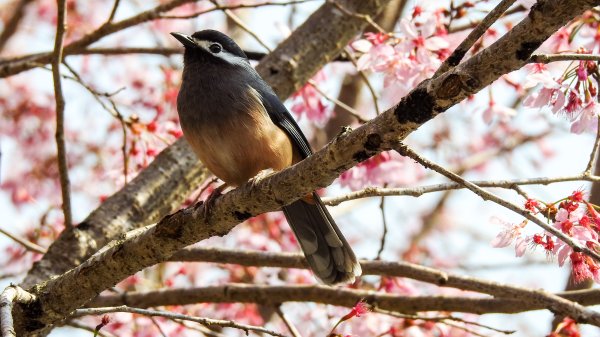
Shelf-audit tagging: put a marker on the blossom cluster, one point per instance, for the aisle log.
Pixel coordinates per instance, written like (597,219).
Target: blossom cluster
(409,56)
(578,102)
(573,216)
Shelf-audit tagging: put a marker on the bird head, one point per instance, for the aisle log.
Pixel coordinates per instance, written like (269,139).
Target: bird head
(211,47)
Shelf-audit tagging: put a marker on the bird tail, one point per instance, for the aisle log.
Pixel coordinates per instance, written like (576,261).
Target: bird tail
(328,253)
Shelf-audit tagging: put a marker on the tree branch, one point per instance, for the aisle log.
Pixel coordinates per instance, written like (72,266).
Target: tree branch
(548,58)
(204,321)
(376,191)
(383,268)
(485,195)
(11,295)
(25,243)
(15,18)
(459,53)
(63,167)
(270,295)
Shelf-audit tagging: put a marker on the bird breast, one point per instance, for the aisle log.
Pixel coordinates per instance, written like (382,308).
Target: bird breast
(236,142)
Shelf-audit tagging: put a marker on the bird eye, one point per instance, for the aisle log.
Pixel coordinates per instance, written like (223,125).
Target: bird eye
(215,48)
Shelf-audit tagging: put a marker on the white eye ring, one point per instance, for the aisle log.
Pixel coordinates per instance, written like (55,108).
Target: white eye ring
(215,48)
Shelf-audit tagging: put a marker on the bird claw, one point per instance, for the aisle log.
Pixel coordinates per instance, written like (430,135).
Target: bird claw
(210,200)
(261,176)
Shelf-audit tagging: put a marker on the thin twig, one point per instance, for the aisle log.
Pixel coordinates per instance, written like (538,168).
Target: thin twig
(114,112)
(448,320)
(25,243)
(592,161)
(63,167)
(459,53)
(10,27)
(473,24)
(365,78)
(339,103)
(406,151)
(79,325)
(385,228)
(11,295)
(231,15)
(160,330)
(291,328)
(170,315)
(365,17)
(548,58)
(113,11)
(375,191)
(233,7)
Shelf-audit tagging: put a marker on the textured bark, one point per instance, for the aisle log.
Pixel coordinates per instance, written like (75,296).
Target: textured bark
(271,295)
(57,297)
(155,192)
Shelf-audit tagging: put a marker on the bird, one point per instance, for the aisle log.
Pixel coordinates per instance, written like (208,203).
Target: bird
(238,128)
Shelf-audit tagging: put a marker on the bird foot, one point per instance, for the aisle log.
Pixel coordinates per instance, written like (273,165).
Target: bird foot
(261,176)
(212,197)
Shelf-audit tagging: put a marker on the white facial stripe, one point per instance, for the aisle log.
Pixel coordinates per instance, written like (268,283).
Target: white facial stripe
(223,54)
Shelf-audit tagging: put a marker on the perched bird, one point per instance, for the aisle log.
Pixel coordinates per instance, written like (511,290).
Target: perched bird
(238,128)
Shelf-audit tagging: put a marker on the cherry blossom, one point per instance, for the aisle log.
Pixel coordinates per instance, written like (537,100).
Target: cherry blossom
(499,111)
(512,233)
(588,119)
(387,169)
(550,94)
(309,102)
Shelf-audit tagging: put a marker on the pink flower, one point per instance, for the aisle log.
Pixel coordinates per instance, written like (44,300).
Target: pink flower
(359,309)
(550,94)
(511,233)
(574,105)
(565,219)
(308,101)
(582,73)
(383,169)
(588,119)
(559,41)
(495,110)
(376,57)
(423,36)
(584,267)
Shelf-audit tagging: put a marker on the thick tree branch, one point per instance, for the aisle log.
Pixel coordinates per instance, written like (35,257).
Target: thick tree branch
(156,191)
(154,244)
(271,295)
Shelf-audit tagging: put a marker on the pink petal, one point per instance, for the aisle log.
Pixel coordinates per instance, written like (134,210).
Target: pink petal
(436,43)
(362,45)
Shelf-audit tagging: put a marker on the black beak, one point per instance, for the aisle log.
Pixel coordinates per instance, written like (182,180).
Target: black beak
(186,40)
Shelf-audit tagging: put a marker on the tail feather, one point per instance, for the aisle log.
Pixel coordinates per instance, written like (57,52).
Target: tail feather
(328,253)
